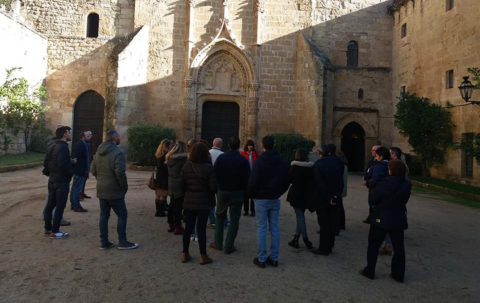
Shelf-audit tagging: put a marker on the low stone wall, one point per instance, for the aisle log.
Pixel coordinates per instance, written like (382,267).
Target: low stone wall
(15,145)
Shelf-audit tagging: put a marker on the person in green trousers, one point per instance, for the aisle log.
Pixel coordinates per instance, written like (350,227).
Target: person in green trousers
(232,171)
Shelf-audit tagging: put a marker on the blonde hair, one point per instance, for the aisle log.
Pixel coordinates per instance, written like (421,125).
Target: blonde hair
(162,148)
(179,148)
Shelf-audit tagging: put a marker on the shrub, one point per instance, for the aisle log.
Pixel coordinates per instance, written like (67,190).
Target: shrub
(414,165)
(39,138)
(287,144)
(143,140)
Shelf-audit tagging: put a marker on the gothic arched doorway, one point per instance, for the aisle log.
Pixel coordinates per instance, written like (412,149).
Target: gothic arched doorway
(220,119)
(353,146)
(88,114)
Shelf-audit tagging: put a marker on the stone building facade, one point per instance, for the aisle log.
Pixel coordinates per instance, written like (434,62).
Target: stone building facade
(329,70)
(442,40)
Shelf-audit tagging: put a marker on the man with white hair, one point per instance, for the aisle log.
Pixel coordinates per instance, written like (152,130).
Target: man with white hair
(216,149)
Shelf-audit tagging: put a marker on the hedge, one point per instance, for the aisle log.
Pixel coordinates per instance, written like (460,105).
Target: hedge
(143,140)
(287,144)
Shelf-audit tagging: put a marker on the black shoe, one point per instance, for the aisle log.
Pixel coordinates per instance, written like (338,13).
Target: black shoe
(294,242)
(307,243)
(80,210)
(127,245)
(258,263)
(320,252)
(245,213)
(65,223)
(396,279)
(271,262)
(86,196)
(107,246)
(365,274)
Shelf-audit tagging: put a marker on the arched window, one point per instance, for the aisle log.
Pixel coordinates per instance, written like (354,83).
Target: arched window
(360,94)
(92,25)
(352,53)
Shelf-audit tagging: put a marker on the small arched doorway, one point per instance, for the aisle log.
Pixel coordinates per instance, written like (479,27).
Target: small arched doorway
(88,114)
(220,119)
(353,146)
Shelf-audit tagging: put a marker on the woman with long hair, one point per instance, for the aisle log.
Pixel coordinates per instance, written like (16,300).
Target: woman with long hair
(200,184)
(251,155)
(300,174)
(175,159)
(161,178)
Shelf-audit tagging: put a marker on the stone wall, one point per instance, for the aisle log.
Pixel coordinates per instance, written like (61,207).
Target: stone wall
(438,40)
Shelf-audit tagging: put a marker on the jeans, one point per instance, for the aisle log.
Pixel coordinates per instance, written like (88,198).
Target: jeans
(43,212)
(75,192)
(301,227)
(375,239)
(211,216)
(200,218)
(267,213)
(120,209)
(233,201)
(57,199)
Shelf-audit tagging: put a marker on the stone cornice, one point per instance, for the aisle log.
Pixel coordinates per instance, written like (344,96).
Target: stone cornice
(395,6)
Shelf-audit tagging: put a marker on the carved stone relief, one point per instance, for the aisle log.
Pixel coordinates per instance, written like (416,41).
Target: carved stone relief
(223,75)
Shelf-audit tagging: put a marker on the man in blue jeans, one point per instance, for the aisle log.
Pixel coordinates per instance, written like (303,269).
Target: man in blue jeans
(268,181)
(80,151)
(109,169)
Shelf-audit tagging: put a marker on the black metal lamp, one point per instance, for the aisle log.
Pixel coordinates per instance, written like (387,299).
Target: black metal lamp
(466,90)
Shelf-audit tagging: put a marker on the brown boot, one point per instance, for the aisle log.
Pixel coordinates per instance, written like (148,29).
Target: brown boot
(205,259)
(186,257)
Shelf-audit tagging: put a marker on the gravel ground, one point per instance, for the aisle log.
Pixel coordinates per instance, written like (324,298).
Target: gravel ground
(442,246)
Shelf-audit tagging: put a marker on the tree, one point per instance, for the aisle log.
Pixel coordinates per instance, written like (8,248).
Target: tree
(428,128)
(21,107)
(7,4)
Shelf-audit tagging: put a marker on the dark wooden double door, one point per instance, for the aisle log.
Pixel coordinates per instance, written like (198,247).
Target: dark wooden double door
(88,114)
(220,120)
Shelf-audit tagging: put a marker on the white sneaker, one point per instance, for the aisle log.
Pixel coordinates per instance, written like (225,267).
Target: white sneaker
(59,235)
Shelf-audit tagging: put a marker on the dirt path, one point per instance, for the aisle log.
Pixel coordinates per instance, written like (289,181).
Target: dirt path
(443,249)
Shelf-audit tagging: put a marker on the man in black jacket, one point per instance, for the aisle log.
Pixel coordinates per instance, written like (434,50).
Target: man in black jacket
(268,181)
(80,151)
(328,188)
(232,171)
(58,167)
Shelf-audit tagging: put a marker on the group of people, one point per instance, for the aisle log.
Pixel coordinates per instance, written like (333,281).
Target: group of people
(204,183)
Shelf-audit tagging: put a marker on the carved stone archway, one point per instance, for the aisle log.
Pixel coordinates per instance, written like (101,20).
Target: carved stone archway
(222,71)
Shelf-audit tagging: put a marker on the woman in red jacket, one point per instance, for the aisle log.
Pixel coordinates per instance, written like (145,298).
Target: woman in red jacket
(251,155)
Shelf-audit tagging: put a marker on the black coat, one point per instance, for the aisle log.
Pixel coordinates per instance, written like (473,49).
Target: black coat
(200,185)
(269,177)
(58,163)
(80,151)
(367,175)
(379,170)
(232,171)
(389,199)
(327,182)
(161,175)
(300,174)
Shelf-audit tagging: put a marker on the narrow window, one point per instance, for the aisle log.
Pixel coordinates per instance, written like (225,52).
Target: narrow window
(404,30)
(92,25)
(450,4)
(449,79)
(360,94)
(352,53)
(467,160)
(403,90)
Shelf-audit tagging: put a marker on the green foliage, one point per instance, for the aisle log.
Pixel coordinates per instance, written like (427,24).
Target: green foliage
(427,126)
(18,159)
(39,138)
(21,108)
(143,140)
(287,144)
(475,71)
(415,167)
(7,4)
(471,148)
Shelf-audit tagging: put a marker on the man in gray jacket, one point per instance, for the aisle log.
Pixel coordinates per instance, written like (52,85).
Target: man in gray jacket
(109,169)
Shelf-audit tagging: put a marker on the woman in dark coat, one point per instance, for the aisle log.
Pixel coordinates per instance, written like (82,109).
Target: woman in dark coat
(389,215)
(200,184)
(161,178)
(300,177)
(175,159)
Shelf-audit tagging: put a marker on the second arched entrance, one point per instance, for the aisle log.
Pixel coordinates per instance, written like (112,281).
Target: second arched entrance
(220,119)
(353,146)
(88,114)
